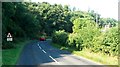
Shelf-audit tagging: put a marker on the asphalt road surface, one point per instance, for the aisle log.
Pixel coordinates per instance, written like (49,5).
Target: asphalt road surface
(42,53)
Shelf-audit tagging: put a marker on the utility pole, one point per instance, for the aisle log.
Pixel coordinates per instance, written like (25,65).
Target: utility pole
(96,20)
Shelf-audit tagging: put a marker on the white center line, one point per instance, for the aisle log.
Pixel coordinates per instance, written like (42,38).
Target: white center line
(39,46)
(54,59)
(49,55)
(44,51)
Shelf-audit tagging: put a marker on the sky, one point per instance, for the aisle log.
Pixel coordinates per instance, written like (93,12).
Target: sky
(106,8)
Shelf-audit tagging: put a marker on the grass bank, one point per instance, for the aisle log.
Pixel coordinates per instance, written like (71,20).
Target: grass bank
(10,56)
(97,57)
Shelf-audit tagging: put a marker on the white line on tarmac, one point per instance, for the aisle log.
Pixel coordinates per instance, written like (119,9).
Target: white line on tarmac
(39,46)
(49,55)
(54,59)
(44,51)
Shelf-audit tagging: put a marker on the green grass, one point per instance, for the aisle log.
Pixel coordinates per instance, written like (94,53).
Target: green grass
(97,57)
(10,56)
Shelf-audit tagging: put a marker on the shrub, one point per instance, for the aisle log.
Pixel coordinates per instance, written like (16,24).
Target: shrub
(74,40)
(60,37)
(97,43)
(110,42)
(106,42)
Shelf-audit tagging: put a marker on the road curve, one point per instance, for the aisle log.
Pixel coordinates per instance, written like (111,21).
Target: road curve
(42,53)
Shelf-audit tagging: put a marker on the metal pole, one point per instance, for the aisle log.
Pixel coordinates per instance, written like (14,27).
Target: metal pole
(96,19)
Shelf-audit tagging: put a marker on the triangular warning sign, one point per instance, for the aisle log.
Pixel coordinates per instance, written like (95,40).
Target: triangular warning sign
(9,35)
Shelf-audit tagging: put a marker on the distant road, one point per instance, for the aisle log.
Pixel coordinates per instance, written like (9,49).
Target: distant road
(42,53)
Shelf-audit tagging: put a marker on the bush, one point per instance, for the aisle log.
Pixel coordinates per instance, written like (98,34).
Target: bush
(97,43)
(106,42)
(110,42)
(74,40)
(60,37)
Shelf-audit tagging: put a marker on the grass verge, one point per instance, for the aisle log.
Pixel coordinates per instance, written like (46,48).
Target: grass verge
(97,57)
(10,56)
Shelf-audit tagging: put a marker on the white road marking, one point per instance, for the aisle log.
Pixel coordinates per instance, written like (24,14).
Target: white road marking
(39,46)
(44,51)
(54,59)
(49,55)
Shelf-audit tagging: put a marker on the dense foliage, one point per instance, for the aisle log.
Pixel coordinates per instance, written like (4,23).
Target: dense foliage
(67,27)
(110,42)
(87,36)
(60,37)
(83,32)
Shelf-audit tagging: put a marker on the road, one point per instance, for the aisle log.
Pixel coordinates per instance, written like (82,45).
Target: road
(42,53)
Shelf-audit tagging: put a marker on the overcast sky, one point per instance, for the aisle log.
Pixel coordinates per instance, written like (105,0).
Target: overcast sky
(107,8)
